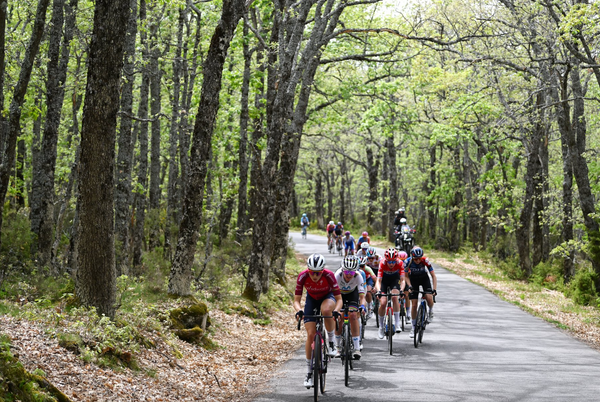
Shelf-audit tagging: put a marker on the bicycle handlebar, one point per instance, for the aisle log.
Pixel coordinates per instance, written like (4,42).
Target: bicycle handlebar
(317,316)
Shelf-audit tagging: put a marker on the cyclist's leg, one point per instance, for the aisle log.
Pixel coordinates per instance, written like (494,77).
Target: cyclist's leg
(311,329)
(327,307)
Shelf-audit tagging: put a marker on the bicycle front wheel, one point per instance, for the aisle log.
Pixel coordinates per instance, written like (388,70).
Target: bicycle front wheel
(376,311)
(390,328)
(402,314)
(346,353)
(423,319)
(418,326)
(317,356)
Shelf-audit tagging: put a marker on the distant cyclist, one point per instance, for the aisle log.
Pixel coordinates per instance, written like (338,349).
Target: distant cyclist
(364,238)
(323,297)
(330,232)
(349,243)
(418,267)
(370,278)
(305,223)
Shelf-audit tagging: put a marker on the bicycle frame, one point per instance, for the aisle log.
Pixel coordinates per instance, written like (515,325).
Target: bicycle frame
(421,318)
(389,314)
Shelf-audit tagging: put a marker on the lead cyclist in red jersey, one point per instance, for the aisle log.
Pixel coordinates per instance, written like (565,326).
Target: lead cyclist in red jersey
(322,295)
(390,275)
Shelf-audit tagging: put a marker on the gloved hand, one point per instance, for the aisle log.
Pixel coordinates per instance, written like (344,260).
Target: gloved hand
(335,314)
(378,294)
(299,315)
(434,292)
(361,308)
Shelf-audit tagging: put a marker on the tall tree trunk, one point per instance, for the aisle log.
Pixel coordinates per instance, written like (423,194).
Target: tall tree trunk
(242,212)
(430,186)
(19,178)
(141,196)
(3,121)
(95,281)
(457,200)
(343,185)
(372,170)
(319,207)
(563,115)
(181,269)
(14,114)
(385,191)
(42,218)
(155,111)
(123,194)
(577,148)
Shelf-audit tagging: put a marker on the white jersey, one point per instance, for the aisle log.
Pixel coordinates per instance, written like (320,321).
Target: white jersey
(348,287)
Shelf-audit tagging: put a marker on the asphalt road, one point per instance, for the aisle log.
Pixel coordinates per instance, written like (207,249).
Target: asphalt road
(478,348)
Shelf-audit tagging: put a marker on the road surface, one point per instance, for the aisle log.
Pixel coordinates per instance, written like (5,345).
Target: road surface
(478,348)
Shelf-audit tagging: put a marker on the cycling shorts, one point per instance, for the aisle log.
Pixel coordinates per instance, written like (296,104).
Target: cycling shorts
(338,232)
(313,307)
(370,282)
(352,299)
(390,281)
(349,245)
(419,280)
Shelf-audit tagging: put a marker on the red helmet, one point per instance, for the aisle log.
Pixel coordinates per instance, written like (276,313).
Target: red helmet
(365,234)
(391,254)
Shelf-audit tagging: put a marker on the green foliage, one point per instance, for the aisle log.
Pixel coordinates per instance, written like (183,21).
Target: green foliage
(582,288)
(548,274)
(17,240)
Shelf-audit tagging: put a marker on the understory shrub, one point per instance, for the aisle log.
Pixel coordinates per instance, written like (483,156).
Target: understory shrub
(582,288)
(548,274)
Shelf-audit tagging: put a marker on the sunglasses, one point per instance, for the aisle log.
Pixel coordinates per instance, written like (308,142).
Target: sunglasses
(315,273)
(392,262)
(349,272)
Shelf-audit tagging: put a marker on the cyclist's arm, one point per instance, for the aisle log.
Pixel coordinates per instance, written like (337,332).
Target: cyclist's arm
(297,306)
(402,281)
(338,302)
(434,278)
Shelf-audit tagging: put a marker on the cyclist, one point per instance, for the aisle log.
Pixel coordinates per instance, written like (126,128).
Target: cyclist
(373,263)
(351,285)
(403,256)
(364,238)
(330,230)
(390,275)
(323,295)
(304,222)
(349,243)
(362,252)
(338,229)
(370,277)
(418,267)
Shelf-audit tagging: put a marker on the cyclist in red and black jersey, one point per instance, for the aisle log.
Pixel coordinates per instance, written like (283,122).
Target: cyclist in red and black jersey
(323,297)
(418,267)
(330,228)
(390,275)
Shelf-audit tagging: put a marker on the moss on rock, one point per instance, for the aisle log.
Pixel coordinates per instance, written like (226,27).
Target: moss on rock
(190,323)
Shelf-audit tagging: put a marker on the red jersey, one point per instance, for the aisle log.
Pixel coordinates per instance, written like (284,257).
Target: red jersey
(317,290)
(390,269)
(330,228)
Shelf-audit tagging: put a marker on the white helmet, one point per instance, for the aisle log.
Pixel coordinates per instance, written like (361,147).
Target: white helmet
(331,223)
(364,245)
(403,220)
(350,263)
(316,262)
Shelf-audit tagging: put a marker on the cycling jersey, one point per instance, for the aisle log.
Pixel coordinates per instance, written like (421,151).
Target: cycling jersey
(361,253)
(390,267)
(317,290)
(369,272)
(330,228)
(349,286)
(349,241)
(422,268)
(338,229)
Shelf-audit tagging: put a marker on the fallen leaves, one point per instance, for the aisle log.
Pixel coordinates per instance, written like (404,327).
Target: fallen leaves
(246,354)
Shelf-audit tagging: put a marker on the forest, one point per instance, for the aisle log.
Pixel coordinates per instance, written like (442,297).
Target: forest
(180,140)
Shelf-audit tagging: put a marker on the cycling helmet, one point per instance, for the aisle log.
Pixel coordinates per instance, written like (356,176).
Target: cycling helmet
(364,245)
(304,215)
(340,223)
(403,220)
(316,262)
(365,234)
(403,256)
(331,222)
(350,263)
(347,233)
(362,261)
(401,209)
(398,212)
(416,252)
(371,251)
(391,254)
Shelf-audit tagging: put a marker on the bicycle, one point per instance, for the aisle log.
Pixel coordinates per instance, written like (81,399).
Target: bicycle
(330,244)
(338,245)
(319,358)
(304,231)
(363,324)
(390,328)
(347,345)
(376,309)
(421,323)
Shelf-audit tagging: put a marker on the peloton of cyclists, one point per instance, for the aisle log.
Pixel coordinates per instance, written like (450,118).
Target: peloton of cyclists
(324,296)
(390,276)
(417,268)
(351,284)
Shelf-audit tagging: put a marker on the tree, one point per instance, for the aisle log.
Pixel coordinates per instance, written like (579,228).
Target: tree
(96,276)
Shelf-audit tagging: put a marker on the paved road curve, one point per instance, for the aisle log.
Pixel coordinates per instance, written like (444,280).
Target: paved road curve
(479,348)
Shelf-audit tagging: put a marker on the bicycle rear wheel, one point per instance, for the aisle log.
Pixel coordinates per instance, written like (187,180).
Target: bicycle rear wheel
(376,310)
(317,356)
(402,313)
(323,376)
